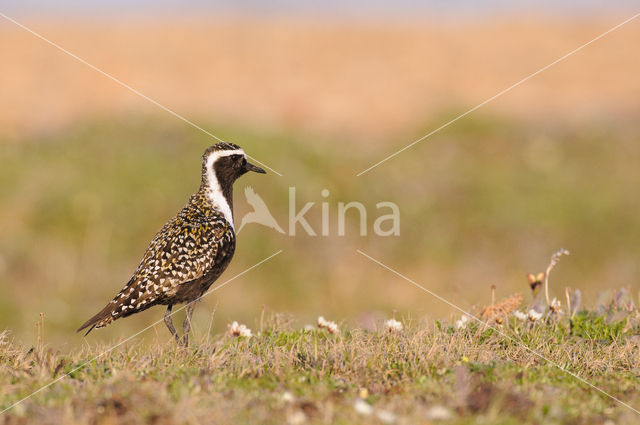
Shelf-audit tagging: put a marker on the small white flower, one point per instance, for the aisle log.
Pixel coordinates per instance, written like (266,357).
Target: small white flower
(520,315)
(287,397)
(462,323)
(362,407)
(392,325)
(438,413)
(332,327)
(556,306)
(386,416)
(534,315)
(296,418)
(237,329)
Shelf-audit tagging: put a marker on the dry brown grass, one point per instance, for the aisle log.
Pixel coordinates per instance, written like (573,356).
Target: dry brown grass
(497,313)
(362,80)
(286,375)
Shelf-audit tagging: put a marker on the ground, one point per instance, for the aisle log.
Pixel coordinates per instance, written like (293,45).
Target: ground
(423,373)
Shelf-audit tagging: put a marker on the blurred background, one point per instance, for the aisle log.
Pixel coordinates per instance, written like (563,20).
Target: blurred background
(89,171)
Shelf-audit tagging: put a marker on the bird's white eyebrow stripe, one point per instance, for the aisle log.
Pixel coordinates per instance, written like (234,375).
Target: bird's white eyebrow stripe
(220,154)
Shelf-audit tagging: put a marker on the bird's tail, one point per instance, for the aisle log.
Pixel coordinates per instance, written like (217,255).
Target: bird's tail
(101,319)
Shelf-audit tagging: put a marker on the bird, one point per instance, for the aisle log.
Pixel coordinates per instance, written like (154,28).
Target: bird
(190,251)
(260,213)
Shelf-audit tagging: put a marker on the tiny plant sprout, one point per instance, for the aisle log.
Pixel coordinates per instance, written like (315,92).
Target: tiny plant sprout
(535,282)
(552,263)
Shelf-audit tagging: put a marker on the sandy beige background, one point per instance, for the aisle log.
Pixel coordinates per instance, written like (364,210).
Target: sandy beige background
(359,79)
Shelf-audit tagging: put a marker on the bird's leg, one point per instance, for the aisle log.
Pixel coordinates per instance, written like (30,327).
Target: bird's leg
(169,322)
(186,325)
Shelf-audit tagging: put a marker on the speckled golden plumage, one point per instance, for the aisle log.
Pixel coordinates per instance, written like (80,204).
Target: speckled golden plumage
(191,250)
(192,244)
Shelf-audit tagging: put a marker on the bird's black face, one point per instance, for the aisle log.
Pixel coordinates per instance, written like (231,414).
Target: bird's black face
(229,168)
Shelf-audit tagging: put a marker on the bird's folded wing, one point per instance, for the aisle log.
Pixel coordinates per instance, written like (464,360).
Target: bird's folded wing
(181,252)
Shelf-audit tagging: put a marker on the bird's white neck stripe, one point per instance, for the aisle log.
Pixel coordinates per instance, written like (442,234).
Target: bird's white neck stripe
(214,191)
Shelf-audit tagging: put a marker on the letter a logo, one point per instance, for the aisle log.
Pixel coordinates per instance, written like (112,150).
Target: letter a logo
(260,213)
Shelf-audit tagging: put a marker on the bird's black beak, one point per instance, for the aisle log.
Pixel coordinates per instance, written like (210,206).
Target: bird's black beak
(250,167)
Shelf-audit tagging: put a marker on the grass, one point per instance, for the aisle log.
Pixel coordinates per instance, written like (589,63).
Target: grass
(427,372)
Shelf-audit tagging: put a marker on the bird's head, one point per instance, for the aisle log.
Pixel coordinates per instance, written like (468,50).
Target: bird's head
(223,163)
